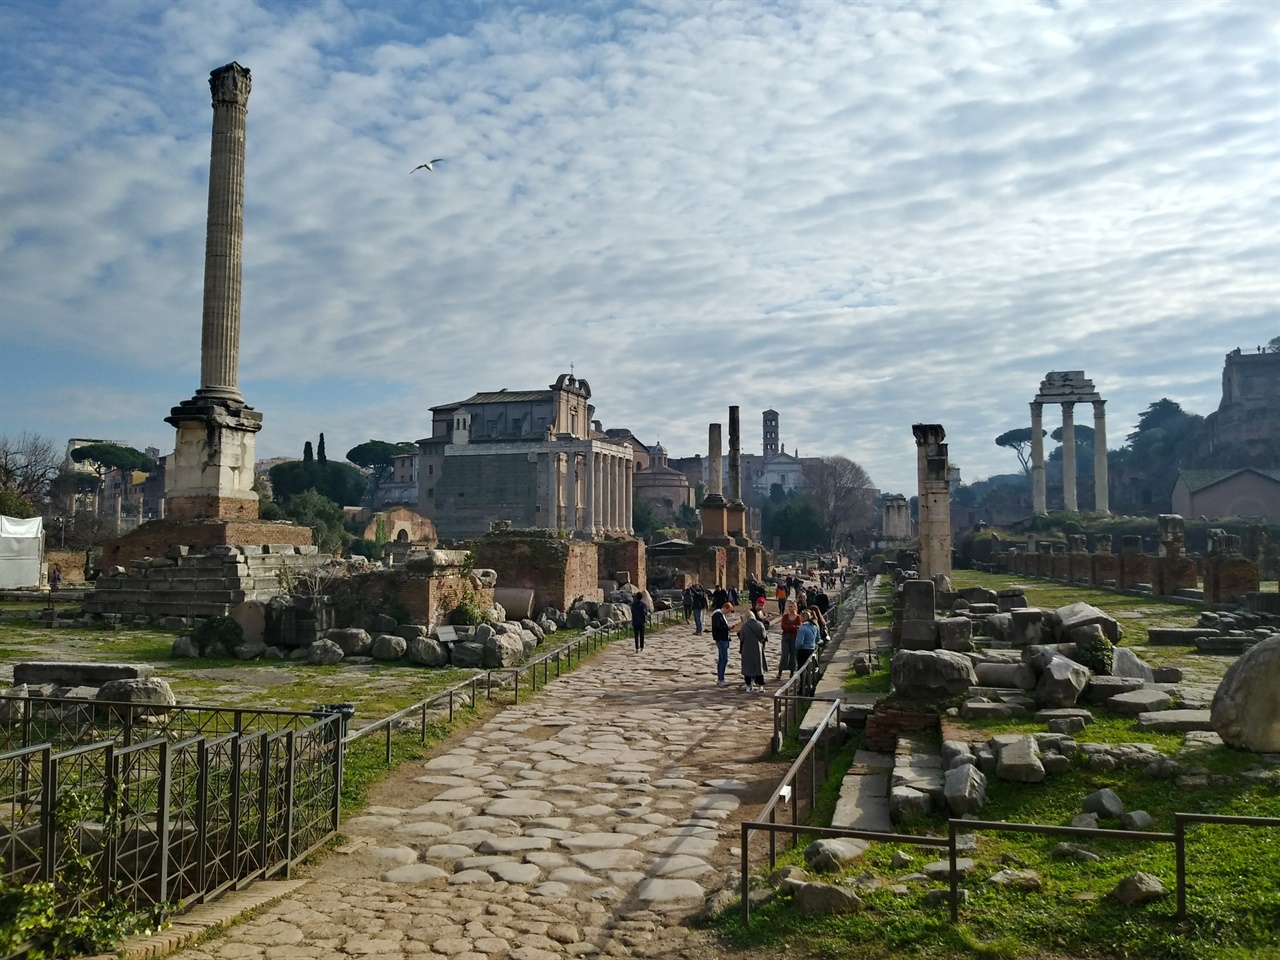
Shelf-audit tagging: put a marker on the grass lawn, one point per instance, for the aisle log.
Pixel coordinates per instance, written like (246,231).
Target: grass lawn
(1233,872)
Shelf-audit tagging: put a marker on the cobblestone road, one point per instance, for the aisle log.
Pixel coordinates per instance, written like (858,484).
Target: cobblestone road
(589,821)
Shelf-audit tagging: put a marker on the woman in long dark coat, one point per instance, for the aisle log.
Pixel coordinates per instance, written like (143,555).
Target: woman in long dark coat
(751,637)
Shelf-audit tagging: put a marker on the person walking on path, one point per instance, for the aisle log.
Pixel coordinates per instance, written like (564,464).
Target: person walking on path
(699,598)
(719,597)
(720,630)
(780,594)
(687,599)
(639,616)
(751,638)
(790,624)
(806,640)
(819,621)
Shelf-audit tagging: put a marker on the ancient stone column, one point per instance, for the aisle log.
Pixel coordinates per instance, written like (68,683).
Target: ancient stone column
(571,492)
(224,235)
(1038,499)
(935,500)
(1069,458)
(589,495)
(629,524)
(1101,496)
(735,456)
(715,464)
(615,490)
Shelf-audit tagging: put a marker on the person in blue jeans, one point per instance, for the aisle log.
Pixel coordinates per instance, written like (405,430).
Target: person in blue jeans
(806,639)
(720,630)
(699,598)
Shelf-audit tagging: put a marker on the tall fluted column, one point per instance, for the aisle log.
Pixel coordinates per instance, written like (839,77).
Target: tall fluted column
(735,456)
(1038,498)
(571,493)
(224,235)
(589,495)
(715,463)
(1101,496)
(629,495)
(1069,458)
(611,464)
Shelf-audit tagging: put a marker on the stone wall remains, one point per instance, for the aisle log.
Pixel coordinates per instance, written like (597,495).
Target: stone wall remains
(155,537)
(556,569)
(615,556)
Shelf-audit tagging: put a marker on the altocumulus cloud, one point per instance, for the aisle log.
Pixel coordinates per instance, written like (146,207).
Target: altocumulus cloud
(861,215)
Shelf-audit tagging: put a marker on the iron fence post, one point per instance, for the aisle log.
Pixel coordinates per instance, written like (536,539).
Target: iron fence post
(288,807)
(162,818)
(1180,859)
(951,853)
(264,806)
(336,744)
(423,737)
(202,816)
(48,798)
(235,804)
(389,726)
(746,879)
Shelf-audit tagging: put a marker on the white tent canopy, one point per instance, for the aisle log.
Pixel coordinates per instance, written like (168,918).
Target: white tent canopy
(21,551)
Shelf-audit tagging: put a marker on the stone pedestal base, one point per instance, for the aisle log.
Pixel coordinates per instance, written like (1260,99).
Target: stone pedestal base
(211,473)
(155,537)
(736,518)
(715,520)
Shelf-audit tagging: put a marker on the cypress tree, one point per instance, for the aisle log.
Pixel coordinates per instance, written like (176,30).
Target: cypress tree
(307,456)
(320,457)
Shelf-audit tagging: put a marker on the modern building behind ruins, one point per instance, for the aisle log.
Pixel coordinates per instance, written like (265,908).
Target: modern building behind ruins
(532,458)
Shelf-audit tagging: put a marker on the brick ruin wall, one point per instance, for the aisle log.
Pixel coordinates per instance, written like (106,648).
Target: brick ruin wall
(624,555)
(155,537)
(557,570)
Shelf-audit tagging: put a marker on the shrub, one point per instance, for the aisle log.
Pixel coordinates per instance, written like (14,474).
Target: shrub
(467,613)
(218,637)
(1096,653)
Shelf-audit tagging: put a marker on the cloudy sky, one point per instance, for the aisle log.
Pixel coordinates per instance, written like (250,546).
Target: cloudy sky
(863,215)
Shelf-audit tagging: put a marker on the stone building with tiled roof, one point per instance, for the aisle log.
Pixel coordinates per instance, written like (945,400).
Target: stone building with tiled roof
(1246,492)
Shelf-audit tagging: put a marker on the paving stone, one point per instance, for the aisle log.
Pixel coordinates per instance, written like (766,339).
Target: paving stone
(597,841)
(414,873)
(518,808)
(513,844)
(654,889)
(470,877)
(608,859)
(516,872)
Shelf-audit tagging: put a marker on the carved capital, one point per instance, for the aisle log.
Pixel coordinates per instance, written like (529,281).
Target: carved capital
(231,84)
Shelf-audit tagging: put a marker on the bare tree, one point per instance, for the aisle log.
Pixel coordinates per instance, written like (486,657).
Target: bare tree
(843,494)
(28,465)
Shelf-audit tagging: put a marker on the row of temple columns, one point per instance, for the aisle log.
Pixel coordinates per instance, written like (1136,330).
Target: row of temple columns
(1039,498)
(590,491)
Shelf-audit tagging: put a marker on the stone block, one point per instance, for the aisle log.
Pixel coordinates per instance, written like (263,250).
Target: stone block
(918,600)
(922,674)
(978,709)
(919,635)
(1126,663)
(76,674)
(1246,710)
(1138,701)
(1104,802)
(906,803)
(1029,625)
(1100,689)
(1018,676)
(388,647)
(1019,761)
(965,789)
(1174,721)
(428,652)
(1075,615)
(1061,681)
(955,633)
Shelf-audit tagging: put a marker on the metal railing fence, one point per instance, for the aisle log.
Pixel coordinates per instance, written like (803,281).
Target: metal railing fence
(793,699)
(161,821)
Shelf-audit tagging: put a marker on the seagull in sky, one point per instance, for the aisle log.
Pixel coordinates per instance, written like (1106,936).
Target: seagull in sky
(429,166)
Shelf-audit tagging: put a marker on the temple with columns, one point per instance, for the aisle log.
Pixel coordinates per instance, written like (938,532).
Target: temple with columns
(530,459)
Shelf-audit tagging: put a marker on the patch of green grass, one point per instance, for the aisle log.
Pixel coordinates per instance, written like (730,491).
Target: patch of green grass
(365,763)
(871,682)
(1107,727)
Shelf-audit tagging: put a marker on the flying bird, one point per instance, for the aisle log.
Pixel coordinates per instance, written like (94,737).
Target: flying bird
(428,166)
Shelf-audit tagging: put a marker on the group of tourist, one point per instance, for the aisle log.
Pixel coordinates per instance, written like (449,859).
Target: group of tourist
(802,631)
